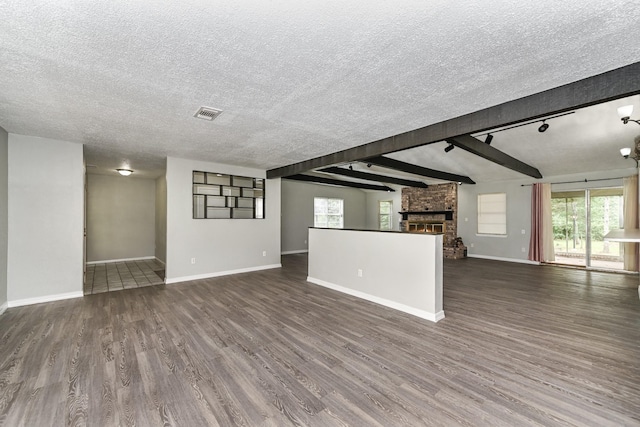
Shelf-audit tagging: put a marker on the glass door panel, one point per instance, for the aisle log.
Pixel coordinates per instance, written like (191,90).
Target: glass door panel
(569,214)
(605,214)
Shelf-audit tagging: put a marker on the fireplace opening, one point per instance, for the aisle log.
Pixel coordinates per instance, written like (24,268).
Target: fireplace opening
(435,227)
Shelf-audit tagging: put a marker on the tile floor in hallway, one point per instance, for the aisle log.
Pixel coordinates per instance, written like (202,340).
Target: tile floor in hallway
(114,276)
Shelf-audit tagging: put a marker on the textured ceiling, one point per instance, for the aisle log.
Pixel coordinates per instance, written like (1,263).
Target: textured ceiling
(296,79)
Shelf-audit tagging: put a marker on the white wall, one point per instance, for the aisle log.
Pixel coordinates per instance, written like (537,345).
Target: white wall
(398,270)
(120,217)
(373,197)
(4,224)
(518,211)
(220,246)
(297,210)
(161,219)
(45,217)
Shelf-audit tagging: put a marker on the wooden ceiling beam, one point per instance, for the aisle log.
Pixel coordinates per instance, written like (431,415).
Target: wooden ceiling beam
(614,84)
(338,182)
(390,163)
(479,148)
(374,177)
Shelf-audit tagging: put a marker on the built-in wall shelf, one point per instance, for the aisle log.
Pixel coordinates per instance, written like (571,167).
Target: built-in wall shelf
(448,215)
(222,196)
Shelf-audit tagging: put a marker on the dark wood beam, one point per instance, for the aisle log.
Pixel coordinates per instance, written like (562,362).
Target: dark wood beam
(618,83)
(374,177)
(479,148)
(330,181)
(389,163)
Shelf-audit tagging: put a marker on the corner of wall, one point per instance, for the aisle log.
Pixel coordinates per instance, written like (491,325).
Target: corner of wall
(4,220)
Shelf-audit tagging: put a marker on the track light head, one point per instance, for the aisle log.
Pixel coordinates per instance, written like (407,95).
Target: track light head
(543,127)
(350,167)
(449,148)
(368,165)
(489,139)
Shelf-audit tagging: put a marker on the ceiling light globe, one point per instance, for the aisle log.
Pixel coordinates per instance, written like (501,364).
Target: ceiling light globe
(124,172)
(625,111)
(625,151)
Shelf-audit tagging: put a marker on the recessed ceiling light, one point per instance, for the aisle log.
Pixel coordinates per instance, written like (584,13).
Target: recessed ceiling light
(125,172)
(207,113)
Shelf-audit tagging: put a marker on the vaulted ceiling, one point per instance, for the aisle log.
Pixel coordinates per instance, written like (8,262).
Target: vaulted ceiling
(298,80)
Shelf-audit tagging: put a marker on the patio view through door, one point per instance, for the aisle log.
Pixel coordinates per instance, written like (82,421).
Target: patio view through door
(581,218)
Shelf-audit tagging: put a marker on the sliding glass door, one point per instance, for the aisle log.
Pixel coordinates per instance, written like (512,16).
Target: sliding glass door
(580,221)
(569,213)
(606,210)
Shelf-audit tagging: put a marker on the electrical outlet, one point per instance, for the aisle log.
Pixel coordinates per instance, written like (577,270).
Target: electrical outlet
(305,242)
(264,253)
(359,272)
(193,260)
(524,249)
(471,245)
(523,231)
(466,220)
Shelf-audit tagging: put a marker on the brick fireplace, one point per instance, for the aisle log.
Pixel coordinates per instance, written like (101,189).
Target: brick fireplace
(424,209)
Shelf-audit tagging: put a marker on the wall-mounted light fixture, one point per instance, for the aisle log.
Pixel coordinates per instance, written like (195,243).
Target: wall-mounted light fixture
(625,114)
(125,172)
(635,153)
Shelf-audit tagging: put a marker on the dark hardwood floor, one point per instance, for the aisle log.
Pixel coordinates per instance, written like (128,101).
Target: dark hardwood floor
(520,345)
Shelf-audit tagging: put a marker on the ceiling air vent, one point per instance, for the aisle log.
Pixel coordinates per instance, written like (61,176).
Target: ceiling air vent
(207,113)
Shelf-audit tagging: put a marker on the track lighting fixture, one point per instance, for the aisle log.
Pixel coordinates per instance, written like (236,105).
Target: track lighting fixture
(543,127)
(350,167)
(368,165)
(449,148)
(625,114)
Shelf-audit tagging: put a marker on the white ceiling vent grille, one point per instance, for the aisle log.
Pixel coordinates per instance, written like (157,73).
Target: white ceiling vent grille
(207,113)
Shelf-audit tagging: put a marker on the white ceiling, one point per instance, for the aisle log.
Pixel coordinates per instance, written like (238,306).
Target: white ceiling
(300,79)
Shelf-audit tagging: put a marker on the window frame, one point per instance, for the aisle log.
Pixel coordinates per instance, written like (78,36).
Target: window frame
(492,214)
(328,223)
(390,215)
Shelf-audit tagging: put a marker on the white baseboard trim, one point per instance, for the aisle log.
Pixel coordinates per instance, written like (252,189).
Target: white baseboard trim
(220,273)
(4,307)
(497,258)
(301,251)
(160,261)
(434,317)
(108,261)
(47,298)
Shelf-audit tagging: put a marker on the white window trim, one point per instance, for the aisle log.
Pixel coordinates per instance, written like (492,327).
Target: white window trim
(390,215)
(493,200)
(327,213)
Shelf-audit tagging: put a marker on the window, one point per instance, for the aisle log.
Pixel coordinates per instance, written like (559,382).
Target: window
(328,213)
(492,213)
(385,214)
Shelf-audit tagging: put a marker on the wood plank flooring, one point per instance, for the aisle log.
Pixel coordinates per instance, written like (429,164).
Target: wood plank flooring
(520,345)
